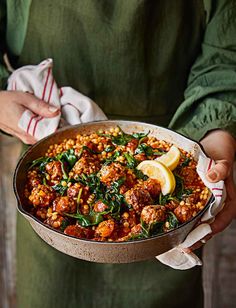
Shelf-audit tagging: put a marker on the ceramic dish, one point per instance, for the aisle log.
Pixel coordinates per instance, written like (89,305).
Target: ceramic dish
(105,252)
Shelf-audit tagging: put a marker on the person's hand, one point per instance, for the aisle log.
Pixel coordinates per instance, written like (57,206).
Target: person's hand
(221,146)
(13,104)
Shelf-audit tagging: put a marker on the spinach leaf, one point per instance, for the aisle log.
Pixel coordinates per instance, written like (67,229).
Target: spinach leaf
(64,224)
(78,199)
(112,159)
(187,192)
(185,163)
(140,175)
(87,220)
(122,138)
(163,200)
(109,148)
(69,157)
(41,163)
(140,135)
(151,229)
(61,189)
(179,188)
(93,182)
(144,148)
(173,221)
(148,150)
(131,161)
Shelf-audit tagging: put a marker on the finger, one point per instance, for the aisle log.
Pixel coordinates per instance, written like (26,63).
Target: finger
(219,172)
(39,106)
(199,243)
(26,138)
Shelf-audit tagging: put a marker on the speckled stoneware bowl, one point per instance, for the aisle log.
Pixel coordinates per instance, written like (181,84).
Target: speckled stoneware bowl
(104,252)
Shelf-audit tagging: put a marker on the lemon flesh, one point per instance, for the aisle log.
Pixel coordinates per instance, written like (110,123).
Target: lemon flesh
(158,171)
(171,158)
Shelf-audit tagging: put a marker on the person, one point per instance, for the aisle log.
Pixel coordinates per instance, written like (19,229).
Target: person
(171,63)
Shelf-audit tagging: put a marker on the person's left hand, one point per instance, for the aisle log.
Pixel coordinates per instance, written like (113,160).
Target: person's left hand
(221,146)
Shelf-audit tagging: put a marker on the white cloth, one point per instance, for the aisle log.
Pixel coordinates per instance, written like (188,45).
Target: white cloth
(38,80)
(177,258)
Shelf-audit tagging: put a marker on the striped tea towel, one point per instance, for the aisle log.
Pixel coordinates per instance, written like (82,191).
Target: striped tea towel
(39,81)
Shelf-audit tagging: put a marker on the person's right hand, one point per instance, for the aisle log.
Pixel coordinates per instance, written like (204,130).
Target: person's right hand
(13,104)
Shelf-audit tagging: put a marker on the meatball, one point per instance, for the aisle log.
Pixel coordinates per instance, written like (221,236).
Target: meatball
(54,220)
(73,190)
(189,175)
(34,179)
(87,165)
(54,170)
(153,187)
(64,205)
(138,198)
(132,145)
(153,213)
(111,173)
(99,207)
(140,157)
(105,228)
(135,231)
(78,231)
(184,212)
(42,196)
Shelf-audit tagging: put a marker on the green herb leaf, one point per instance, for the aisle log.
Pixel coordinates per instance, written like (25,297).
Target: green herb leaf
(78,199)
(109,148)
(179,188)
(87,220)
(140,175)
(64,224)
(131,161)
(140,135)
(173,221)
(185,163)
(163,200)
(41,163)
(152,229)
(61,189)
(112,159)
(187,192)
(69,157)
(148,150)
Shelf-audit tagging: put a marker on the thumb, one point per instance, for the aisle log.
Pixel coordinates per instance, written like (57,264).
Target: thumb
(219,172)
(40,107)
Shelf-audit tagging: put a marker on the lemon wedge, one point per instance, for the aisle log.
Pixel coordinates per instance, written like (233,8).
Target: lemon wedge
(171,158)
(158,171)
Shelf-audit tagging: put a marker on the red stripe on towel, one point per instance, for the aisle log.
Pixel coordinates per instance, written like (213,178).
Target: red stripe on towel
(30,121)
(215,188)
(49,97)
(36,123)
(34,116)
(209,166)
(45,85)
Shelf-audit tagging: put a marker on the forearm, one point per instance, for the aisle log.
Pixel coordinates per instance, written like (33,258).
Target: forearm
(210,98)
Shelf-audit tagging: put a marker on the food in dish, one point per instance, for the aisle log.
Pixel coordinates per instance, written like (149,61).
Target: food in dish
(114,186)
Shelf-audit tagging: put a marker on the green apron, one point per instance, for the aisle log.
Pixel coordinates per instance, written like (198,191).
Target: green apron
(132,58)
